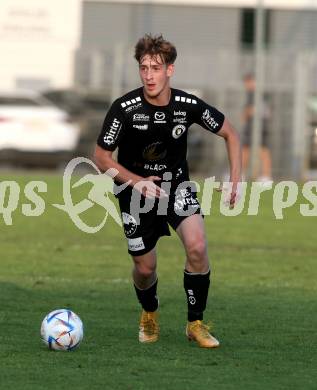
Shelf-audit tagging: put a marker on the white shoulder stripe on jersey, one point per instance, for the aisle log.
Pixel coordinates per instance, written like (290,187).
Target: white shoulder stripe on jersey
(129,102)
(185,100)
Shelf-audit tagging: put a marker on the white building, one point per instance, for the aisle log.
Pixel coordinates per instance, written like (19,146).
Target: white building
(61,43)
(38,39)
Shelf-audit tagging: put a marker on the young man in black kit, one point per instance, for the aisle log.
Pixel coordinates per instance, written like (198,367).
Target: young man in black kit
(149,126)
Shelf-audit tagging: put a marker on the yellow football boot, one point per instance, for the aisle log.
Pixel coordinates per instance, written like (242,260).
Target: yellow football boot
(149,328)
(199,332)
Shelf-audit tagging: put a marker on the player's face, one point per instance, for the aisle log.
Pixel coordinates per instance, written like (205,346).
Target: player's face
(155,75)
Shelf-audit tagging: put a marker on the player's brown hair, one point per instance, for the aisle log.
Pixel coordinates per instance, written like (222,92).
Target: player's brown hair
(155,46)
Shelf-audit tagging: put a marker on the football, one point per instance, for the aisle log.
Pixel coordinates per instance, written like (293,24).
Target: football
(62,330)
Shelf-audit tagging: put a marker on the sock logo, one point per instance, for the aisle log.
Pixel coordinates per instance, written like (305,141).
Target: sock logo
(191,298)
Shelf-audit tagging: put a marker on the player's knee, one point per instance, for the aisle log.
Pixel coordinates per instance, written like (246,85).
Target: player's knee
(197,251)
(144,271)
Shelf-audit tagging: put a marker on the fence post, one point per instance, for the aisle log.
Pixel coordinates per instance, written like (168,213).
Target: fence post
(299,133)
(117,71)
(96,69)
(258,94)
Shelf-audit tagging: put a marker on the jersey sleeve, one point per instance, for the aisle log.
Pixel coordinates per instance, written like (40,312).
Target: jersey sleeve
(112,128)
(207,116)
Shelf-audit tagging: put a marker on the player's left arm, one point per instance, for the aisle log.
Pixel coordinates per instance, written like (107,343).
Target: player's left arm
(233,145)
(214,121)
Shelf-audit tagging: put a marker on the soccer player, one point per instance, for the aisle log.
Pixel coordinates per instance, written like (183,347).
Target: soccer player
(149,125)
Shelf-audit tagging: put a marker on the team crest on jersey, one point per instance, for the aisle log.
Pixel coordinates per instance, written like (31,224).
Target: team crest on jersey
(178,130)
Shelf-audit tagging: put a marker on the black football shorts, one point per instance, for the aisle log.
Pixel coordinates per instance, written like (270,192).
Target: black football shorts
(146,220)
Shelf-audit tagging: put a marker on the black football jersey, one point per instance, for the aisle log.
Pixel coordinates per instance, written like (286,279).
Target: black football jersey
(152,139)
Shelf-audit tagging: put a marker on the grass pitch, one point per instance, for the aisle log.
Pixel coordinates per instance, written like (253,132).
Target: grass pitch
(262,302)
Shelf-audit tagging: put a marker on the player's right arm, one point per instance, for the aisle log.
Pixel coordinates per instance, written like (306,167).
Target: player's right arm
(112,131)
(146,186)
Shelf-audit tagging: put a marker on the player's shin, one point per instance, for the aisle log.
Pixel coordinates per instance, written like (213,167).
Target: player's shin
(148,297)
(196,286)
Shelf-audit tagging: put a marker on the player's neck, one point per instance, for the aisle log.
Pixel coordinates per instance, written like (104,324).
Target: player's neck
(160,100)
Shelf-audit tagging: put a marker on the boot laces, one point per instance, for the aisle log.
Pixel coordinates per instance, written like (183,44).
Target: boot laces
(203,329)
(149,325)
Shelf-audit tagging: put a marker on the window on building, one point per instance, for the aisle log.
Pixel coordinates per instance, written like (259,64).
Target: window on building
(247,32)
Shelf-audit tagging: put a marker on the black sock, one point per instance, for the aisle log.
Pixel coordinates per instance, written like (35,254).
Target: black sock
(196,287)
(148,297)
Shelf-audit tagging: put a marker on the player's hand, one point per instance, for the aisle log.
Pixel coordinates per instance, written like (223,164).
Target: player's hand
(231,193)
(149,189)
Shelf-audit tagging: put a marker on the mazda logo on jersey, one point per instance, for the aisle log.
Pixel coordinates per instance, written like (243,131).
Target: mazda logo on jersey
(154,152)
(178,130)
(159,117)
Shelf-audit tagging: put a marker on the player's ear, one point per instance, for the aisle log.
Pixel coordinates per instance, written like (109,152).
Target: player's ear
(170,70)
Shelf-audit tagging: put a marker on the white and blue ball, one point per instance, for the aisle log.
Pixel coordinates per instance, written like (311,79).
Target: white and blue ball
(62,330)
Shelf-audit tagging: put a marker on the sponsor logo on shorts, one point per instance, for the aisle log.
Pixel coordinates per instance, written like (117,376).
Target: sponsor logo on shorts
(129,224)
(178,130)
(185,199)
(136,244)
(180,204)
(112,133)
(209,121)
(159,117)
(141,118)
(141,127)
(184,192)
